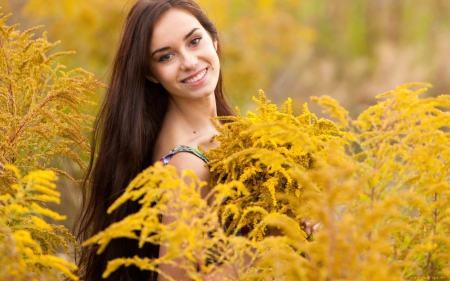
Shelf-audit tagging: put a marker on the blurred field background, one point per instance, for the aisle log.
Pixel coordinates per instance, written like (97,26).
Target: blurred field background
(351,50)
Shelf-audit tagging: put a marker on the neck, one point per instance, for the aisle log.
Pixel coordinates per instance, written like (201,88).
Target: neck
(192,115)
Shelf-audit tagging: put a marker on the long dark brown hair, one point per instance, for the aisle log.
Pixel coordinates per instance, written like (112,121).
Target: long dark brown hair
(124,136)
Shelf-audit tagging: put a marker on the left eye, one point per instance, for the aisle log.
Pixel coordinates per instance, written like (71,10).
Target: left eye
(195,41)
(165,57)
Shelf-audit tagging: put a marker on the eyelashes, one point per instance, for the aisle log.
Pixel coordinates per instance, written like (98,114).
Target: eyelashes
(165,57)
(194,42)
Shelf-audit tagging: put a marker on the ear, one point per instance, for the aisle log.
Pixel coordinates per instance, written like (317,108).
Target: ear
(215,44)
(152,79)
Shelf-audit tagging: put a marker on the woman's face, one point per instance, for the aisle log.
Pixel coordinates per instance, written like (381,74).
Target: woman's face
(183,56)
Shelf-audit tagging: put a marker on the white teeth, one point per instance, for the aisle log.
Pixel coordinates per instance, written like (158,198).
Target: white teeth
(196,78)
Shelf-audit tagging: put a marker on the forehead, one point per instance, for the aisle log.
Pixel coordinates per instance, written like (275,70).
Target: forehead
(173,25)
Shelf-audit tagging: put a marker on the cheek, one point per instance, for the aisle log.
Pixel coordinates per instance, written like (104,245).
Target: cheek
(212,58)
(214,55)
(165,75)
(216,62)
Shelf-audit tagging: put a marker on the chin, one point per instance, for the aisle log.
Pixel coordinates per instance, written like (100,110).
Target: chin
(209,90)
(206,94)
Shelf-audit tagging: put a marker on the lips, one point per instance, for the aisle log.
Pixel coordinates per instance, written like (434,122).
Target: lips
(195,77)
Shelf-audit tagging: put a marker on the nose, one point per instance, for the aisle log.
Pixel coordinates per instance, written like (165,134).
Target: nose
(189,61)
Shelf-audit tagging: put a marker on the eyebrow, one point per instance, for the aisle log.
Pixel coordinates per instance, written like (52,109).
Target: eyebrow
(167,48)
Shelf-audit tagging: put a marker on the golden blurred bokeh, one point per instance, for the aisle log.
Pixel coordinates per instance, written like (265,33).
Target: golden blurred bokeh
(350,50)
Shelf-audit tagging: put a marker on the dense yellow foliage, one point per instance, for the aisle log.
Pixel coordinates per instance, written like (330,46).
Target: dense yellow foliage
(28,243)
(267,152)
(402,147)
(162,192)
(42,116)
(379,186)
(42,110)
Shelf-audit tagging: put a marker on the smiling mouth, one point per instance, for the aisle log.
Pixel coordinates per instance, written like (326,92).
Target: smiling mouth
(196,77)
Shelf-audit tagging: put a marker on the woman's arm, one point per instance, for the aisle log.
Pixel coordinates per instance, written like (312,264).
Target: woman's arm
(183,161)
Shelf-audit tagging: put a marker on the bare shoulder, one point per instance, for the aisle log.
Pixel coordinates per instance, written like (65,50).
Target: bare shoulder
(188,161)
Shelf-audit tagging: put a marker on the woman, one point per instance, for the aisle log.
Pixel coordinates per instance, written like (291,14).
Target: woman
(165,85)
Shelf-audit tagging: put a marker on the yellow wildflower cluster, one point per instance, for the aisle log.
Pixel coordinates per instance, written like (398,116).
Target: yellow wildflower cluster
(379,186)
(28,243)
(394,212)
(196,236)
(267,152)
(42,116)
(196,240)
(42,106)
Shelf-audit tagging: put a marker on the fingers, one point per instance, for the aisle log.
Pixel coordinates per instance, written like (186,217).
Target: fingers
(308,227)
(316,227)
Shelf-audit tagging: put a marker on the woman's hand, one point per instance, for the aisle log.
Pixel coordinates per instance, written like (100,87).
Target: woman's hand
(309,228)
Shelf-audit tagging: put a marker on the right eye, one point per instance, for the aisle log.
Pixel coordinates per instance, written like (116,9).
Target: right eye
(165,57)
